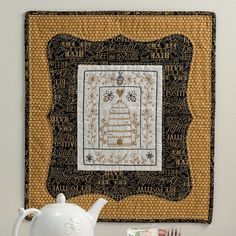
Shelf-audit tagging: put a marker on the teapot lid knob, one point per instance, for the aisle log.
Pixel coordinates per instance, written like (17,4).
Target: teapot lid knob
(61,198)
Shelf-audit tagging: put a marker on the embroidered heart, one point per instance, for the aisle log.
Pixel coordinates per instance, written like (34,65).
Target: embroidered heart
(120,92)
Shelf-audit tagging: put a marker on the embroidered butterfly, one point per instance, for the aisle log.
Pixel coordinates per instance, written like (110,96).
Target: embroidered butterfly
(131,96)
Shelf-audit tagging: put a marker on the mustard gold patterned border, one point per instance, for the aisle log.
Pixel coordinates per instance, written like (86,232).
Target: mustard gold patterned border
(40,27)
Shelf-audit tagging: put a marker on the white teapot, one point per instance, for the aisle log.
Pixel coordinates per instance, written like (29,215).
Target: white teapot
(61,219)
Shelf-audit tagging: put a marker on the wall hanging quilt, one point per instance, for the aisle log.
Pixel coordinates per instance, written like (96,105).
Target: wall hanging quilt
(120,105)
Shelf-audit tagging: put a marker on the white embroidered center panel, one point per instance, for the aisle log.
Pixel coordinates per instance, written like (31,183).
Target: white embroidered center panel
(119,117)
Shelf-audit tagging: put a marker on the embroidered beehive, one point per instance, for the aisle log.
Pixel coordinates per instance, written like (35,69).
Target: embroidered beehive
(120,130)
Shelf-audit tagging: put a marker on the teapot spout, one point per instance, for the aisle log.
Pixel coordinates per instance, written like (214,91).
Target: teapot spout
(95,210)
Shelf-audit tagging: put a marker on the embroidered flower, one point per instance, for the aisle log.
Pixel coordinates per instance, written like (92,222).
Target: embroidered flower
(89,157)
(149,156)
(131,96)
(108,96)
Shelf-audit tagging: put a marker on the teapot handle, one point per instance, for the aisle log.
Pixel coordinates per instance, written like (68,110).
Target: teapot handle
(22,214)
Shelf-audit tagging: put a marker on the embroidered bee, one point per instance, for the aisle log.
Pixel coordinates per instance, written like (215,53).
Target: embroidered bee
(120,79)
(131,96)
(72,225)
(108,96)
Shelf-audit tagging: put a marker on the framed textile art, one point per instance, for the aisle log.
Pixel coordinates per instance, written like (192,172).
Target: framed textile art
(120,105)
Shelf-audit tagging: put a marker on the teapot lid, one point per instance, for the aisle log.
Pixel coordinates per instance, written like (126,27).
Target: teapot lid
(61,204)
(61,198)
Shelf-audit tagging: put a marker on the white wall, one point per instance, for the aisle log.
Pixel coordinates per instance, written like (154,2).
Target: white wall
(12,108)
